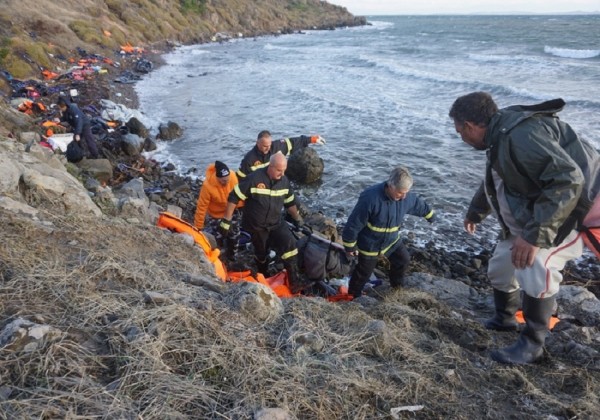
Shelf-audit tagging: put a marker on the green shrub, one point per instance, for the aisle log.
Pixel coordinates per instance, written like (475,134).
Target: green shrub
(193,6)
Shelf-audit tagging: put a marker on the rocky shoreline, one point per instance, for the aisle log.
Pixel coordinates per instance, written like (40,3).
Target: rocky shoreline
(139,188)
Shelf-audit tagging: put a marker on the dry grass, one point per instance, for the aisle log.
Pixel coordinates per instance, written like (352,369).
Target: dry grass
(195,357)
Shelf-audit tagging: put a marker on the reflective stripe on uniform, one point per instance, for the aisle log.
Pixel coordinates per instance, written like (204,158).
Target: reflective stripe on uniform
(382,230)
(428,215)
(266,191)
(289,145)
(349,244)
(288,200)
(239,192)
(376,253)
(262,165)
(290,254)
(240,174)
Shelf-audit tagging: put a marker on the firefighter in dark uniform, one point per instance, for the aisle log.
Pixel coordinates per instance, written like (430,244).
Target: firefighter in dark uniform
(266,192)
(373,228)
(260,154)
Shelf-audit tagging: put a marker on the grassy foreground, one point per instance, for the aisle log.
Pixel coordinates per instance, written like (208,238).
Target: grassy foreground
(117,351)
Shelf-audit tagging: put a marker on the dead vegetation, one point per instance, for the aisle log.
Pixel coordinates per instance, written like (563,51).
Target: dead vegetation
(115,355)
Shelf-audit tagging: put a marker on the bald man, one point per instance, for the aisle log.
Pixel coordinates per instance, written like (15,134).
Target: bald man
(266,192)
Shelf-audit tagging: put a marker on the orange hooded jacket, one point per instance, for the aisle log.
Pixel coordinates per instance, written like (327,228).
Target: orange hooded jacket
(213,196)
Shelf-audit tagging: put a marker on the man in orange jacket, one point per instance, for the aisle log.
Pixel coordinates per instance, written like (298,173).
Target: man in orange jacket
(214,192)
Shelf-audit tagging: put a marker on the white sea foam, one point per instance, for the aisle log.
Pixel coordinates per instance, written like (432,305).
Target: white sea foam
(570,53)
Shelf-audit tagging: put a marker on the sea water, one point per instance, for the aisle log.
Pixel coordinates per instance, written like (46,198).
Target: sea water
(380,96)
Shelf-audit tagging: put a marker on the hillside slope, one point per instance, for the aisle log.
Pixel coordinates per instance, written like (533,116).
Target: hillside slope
(32,31)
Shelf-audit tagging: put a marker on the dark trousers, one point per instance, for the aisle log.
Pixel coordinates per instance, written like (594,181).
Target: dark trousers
(399,260)
(279,239)
(89,142)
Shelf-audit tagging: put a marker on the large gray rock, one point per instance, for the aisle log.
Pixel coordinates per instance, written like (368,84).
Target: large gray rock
(37,181)
(100,169)
(14,206)
(132,189)
(579,303)
(169,131)
(132,144)
(136,127)
(255,300)
(305,166)
(451,292)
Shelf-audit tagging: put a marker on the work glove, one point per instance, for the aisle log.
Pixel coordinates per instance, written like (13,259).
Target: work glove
(224,226)
(432,217)
(317,140)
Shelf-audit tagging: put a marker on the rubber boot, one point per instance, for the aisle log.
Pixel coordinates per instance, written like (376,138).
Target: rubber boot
(296,282)
(506,306)
(262,266)
(530,344)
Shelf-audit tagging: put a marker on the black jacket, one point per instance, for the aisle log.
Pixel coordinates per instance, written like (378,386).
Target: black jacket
(75,117)
(254,159)
(264,197)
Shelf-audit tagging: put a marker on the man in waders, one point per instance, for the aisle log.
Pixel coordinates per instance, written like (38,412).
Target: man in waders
(541,180)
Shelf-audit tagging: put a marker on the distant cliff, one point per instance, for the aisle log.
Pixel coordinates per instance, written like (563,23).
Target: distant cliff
(32,32)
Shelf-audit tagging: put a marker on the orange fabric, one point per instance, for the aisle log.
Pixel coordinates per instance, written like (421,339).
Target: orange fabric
(277,283)
(313,139)
(174,223)
(49,75)
(551,324)
(213,196)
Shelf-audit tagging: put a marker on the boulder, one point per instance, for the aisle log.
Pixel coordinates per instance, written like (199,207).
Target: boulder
(305,166)
(132,189)
(149,145)
(136,127)
(27,137)
(100,169)
(452,292)
(579,303)
(255,300)
(14,206)
(132,144)
(169,131)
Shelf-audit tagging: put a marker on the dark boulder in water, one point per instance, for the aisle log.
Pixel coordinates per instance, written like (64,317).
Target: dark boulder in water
(305,166)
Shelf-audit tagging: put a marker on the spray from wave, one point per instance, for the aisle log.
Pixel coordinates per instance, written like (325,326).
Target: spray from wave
(570,53)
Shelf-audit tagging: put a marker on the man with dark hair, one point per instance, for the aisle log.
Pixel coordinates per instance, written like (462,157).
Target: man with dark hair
(80,124)
(266,192)
(541,180)
(260,154)
(373,228)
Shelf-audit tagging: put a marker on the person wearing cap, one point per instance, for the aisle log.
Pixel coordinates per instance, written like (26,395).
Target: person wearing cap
(266,192)
(212,200)
(265,147)
(80,124)
(373,228)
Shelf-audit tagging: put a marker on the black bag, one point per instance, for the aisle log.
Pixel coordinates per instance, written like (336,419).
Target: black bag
(74,152)
(321,259)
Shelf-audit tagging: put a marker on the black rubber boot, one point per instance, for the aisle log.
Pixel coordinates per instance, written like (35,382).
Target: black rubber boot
(296,282)
(262,266)
(506,306)
(530,344)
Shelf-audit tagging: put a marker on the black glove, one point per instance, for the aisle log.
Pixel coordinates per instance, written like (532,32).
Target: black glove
(432,217)
(224,226)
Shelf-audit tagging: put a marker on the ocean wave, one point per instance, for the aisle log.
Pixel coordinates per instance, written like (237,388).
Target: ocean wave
(571,53)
